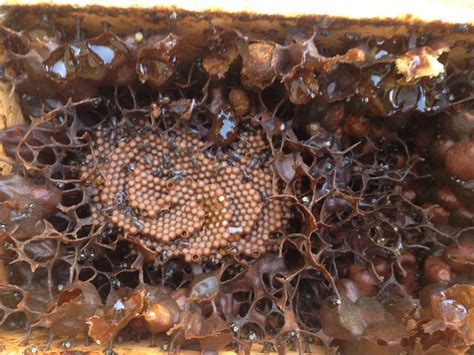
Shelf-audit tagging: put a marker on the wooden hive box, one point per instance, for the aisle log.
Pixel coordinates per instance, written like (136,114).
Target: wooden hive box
(336,20)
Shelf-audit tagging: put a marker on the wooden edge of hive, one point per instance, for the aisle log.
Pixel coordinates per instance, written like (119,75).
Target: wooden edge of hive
(446,11)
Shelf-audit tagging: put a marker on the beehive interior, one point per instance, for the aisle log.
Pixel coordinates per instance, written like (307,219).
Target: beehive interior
(208,183)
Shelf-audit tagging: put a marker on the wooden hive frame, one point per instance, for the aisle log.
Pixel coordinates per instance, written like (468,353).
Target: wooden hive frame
(335,19)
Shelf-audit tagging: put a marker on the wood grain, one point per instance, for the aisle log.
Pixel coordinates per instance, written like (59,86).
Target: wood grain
(10,340)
